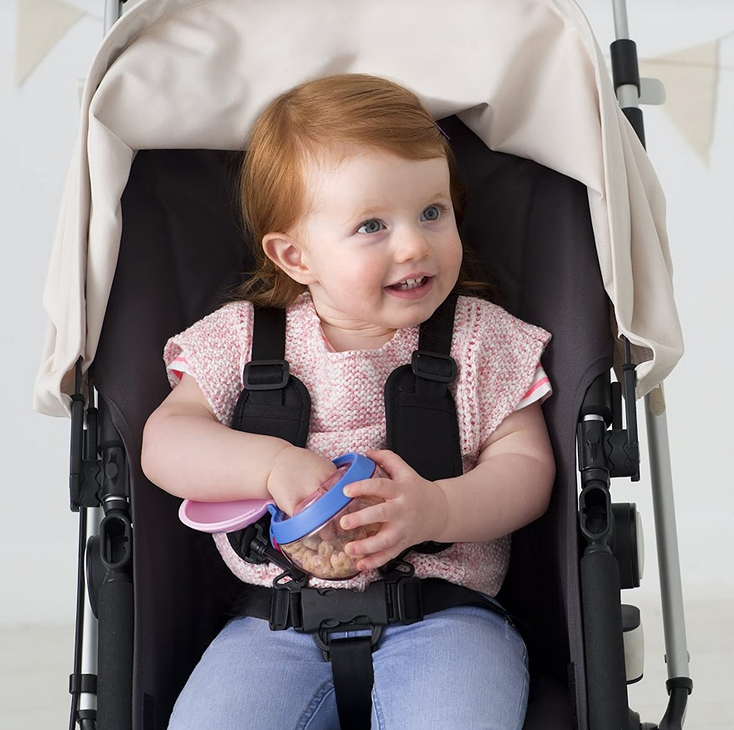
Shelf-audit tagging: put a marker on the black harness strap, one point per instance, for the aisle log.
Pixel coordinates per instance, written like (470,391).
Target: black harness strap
(404,600)
(273,402)
(420,414)
(422,428)
(351,665)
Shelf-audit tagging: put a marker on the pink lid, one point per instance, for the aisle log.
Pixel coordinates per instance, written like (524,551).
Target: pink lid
(222,516)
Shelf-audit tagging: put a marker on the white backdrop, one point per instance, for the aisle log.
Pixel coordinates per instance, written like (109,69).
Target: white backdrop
(38,123)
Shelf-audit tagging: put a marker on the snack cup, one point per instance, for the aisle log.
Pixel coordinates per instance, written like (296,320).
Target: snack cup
(313,540)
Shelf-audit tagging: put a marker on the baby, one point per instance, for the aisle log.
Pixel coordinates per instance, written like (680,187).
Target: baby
(350,194)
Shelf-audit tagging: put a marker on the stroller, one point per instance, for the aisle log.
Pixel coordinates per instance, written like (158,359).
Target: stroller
(562,207)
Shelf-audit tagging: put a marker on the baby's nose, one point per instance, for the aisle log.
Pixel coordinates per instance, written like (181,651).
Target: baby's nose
(412,245)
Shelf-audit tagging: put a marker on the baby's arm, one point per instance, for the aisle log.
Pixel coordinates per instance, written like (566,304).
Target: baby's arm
(510,485)
(190,454)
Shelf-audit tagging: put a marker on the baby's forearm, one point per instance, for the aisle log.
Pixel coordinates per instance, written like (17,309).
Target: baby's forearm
(497,497)
(196,457)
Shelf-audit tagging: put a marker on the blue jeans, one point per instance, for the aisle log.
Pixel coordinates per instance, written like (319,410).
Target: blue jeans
(464,667)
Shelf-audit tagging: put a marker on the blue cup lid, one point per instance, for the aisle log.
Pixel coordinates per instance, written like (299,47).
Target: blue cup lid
(286,529)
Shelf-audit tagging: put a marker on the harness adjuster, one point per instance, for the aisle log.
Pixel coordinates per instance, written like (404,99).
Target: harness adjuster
(433,366)
(283,376)
(408,605)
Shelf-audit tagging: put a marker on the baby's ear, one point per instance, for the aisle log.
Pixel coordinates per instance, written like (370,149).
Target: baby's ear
(287,255)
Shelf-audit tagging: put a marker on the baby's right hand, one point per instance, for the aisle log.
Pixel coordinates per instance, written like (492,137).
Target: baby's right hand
(295,474)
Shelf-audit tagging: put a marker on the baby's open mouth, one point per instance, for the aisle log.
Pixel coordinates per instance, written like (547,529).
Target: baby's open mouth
(409,284)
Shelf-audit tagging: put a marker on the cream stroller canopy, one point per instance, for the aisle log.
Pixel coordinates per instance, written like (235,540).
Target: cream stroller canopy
(526,76)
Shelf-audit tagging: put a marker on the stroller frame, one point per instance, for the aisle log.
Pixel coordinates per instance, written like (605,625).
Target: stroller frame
(101,682)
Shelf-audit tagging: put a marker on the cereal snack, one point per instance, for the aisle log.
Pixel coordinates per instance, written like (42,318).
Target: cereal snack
(321,553)
(313,538)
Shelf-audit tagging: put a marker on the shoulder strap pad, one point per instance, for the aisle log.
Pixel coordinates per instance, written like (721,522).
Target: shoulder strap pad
(422,426)
(273,402)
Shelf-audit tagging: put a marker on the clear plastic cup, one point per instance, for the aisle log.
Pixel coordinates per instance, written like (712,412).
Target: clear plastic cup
(321,553)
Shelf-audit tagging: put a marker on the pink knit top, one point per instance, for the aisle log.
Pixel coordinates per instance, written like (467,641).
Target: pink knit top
(497,358)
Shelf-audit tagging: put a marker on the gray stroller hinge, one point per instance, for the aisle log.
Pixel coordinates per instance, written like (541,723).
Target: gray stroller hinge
(84,467)
(617,450)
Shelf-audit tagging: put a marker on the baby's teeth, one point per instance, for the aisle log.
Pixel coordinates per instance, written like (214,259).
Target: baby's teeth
(410,283)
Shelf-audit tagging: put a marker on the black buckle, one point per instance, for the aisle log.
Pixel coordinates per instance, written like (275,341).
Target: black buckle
(322,612)
(285,601)
(284,377)
(250,543)
(323,637)
(325,611)
(421,366)
(342,609)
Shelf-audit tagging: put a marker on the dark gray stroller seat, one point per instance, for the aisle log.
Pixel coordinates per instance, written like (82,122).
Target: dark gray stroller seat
(181,252)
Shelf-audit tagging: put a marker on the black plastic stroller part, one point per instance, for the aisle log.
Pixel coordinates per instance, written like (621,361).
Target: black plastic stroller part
(603,407)
(99,479)
(600,571)
(84,467)
(181,253)
(626,71)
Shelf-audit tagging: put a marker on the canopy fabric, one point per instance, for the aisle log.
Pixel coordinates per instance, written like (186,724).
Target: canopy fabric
(526,76)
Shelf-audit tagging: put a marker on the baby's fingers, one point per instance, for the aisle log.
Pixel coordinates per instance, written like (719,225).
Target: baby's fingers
(366,516)
(377,560)
(376,550)
(384,488)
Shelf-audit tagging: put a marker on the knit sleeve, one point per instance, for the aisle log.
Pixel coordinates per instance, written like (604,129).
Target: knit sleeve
(214,351)
(498,361)
(540,389)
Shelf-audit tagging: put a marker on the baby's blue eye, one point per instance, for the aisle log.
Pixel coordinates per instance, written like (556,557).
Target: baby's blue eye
(371,226)
(431,213)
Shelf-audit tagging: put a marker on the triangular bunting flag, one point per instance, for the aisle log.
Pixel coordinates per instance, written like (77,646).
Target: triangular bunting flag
(41,24)
(691,79)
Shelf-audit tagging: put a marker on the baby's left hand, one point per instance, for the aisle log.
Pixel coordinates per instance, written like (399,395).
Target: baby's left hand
(414,511)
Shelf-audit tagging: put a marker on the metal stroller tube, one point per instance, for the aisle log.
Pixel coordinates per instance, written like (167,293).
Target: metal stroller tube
(112,13)
(679,684)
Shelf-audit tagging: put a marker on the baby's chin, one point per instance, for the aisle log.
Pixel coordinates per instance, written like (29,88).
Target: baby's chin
(409,320)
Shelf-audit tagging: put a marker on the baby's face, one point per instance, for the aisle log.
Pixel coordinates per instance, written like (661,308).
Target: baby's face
(379,239)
